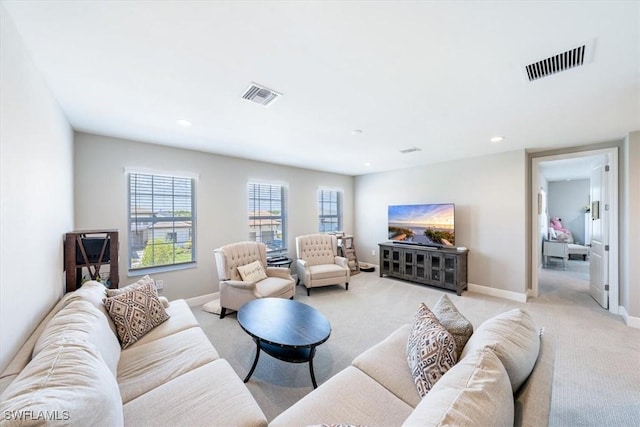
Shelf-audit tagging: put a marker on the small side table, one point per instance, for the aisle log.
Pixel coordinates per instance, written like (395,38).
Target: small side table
(280,262)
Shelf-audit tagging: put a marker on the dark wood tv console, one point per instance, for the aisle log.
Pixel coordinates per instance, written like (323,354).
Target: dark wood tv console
(440,267)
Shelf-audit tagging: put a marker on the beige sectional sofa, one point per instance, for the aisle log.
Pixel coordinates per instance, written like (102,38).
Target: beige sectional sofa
(72,371)
(503,378)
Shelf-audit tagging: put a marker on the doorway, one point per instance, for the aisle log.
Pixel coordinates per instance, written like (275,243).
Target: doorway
(564,185)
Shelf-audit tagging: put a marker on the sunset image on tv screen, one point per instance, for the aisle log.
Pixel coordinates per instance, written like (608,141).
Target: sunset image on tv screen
(425,224)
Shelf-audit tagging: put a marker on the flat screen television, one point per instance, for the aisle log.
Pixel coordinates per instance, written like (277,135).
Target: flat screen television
(425,224)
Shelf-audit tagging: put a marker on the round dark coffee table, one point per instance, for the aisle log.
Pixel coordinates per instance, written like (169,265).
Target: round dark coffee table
(285,329)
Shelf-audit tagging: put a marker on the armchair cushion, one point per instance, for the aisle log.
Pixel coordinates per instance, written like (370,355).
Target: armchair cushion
(272,286)
(325,271)
(252,272)
(317,249)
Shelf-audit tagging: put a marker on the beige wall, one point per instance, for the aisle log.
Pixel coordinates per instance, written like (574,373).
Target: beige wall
(36,190)
(489,193)
(101,199)
(630,268)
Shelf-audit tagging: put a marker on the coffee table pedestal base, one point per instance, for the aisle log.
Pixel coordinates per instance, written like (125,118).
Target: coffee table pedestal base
(286,354)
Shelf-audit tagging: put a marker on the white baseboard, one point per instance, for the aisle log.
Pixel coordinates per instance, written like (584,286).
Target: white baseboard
(202,299)
(500,293)
(633,322)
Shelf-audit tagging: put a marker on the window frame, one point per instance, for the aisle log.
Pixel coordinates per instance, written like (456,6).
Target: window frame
(275,221)
(147,223)
(321,202)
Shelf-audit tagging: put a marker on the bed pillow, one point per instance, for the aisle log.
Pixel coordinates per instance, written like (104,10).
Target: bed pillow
(135,313)
(431,350)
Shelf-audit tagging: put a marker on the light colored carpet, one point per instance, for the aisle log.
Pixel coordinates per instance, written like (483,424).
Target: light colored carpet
(597,374)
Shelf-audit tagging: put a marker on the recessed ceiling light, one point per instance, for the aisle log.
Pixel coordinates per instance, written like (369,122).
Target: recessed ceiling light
(367,164)
(497,139)
(183,122)
(356,131)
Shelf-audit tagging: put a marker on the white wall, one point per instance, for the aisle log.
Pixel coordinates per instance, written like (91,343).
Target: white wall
(567,200)
(36,191)
(489,193)
(101,199)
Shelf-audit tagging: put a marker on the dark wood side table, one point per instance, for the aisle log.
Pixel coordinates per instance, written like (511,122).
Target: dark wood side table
(285,329)
(282,262)
(90,249)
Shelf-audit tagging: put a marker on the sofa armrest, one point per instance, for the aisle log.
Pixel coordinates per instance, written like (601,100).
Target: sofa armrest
(533,399)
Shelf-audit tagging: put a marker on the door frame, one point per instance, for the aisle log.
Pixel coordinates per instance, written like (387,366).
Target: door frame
(612,197)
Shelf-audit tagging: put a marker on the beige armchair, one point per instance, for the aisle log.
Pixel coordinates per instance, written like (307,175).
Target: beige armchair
(234,292)
(318,263)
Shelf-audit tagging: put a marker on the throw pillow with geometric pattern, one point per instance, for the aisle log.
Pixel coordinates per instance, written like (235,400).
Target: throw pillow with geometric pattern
(431,350)
(135,313)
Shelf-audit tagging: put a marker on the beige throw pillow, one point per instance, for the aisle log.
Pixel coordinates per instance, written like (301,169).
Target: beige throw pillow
(513,337)
(135,313)
(454,322)
(475,392)
(431,350)
(145,280)
(252,272)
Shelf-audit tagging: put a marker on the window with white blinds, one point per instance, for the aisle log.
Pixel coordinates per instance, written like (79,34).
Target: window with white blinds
(267,216)
(329,211)
(161,221)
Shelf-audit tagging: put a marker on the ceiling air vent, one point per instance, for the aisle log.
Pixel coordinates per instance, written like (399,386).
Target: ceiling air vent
(554,64)
(410,150)
(260,95)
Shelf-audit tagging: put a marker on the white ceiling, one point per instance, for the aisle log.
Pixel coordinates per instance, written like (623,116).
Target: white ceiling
(441,76)
(569,169)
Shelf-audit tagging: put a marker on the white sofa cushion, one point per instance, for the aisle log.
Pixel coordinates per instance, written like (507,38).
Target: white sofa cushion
(67,380)
(431,350)
(386,362)
(180,318)
(475,392)
(211,395)
(147,366)
(349,397)
(513,337)
(80,320)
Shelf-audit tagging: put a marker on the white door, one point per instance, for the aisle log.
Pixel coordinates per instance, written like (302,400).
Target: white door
(599,262)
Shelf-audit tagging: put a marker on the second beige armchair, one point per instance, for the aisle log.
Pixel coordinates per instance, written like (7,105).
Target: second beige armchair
(318,263)
(234,292)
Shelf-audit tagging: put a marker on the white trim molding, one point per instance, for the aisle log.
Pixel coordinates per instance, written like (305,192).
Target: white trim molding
(633,322)
(500,293)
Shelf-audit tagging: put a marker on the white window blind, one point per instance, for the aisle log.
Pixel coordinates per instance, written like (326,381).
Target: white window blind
(267,216)
(329,211)
(161,221)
